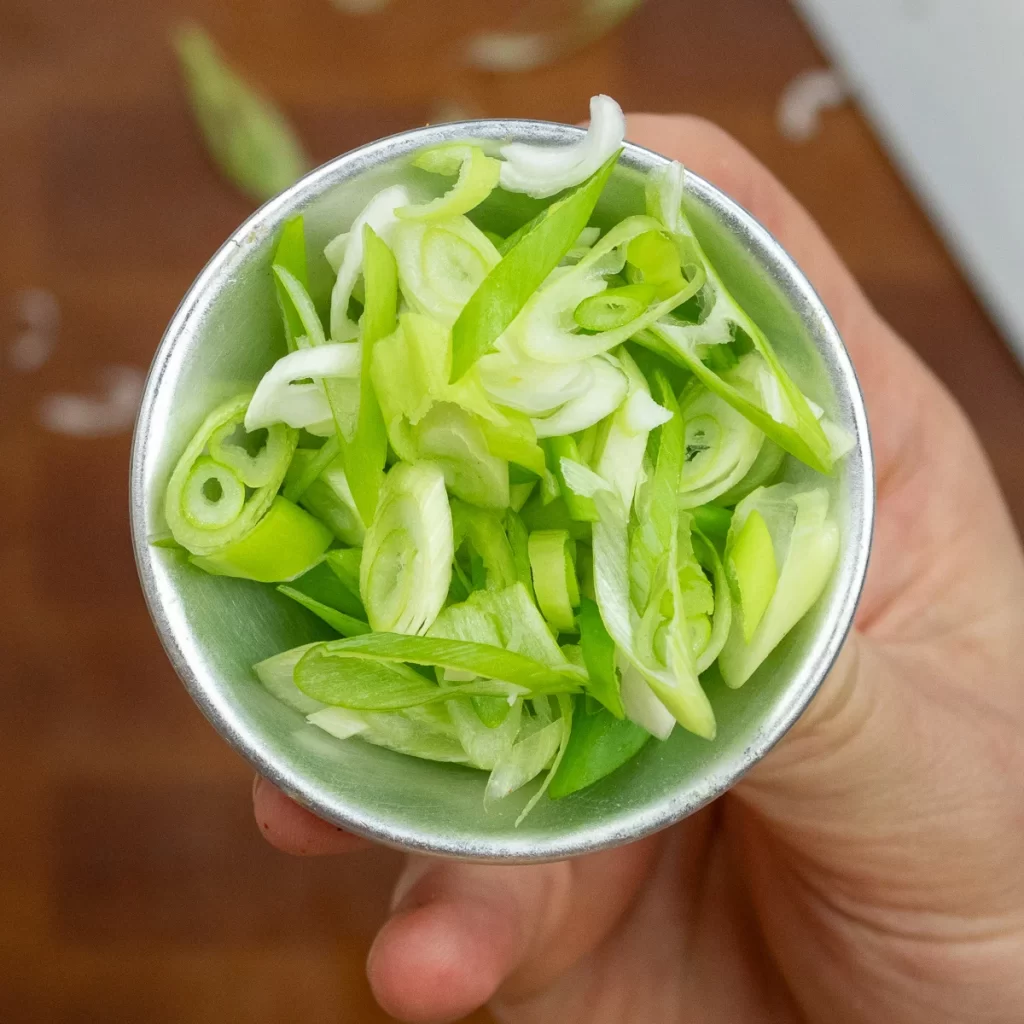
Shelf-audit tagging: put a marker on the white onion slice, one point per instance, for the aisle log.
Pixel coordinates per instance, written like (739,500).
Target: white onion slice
(605,394)
(643,414)
(278,399)
(379,213)
(530,386)
(541,171)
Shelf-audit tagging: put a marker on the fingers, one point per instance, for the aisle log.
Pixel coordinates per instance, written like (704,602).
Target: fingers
(460,933)
(293,829)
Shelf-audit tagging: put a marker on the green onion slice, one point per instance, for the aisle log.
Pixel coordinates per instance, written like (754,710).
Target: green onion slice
(542,171)
(371,672)
(407,556)
(284,544)
(201,503)
(671,676)
(441,264)
(247,136)
(599,744)
(721,446)
(553,567)
(804,547)
(614,307)
(478,176)
(380,215)
(365,451)
(510,283)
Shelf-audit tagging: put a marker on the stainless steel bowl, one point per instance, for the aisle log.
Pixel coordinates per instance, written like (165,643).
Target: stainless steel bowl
(226,333)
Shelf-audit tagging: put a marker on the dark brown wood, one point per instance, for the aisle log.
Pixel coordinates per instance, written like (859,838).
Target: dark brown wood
(133,882)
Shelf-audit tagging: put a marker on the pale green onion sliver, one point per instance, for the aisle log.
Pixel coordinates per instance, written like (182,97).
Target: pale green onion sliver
(478,176)
(554,577)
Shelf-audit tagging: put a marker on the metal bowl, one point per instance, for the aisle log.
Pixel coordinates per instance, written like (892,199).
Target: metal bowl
(226,333)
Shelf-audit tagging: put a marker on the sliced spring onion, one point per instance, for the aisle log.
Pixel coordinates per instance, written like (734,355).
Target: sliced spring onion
(797,428)
(807,442)
(713,522)
(277,676)
(509,285)
(324,584)
(374,684)
(752,568)
(608,388)
(539,514)
(542,171)
(485,744)
(599,745)
(426,731)
(441,264)
(345,564)
(519,494)
(341,392)
(558,448)
(553,566)
(696,589)
(509,435)
(519,541)
(532,387)
(499,370)
(201,505)
(407,556)
(721,616)
(455,425)
(653,260)
(306,467)
(365,453)
(478,176)
(291,255)
(565,723)
(619,448)
(280,399)
(534,750)
(338,671)
(672,679)
(410,372)
(346,625)
(285,543)
(247,136)
(641,414)
(598,650)
(451,439)
(765,470)
(721,446)
(545,329)
(805,545)
(587,238)
(379,213)
(214,495)
(615,307)
(505,618)
(641,705)
(657,507)
(485,533)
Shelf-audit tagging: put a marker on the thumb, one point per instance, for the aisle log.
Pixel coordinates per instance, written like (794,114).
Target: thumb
(837,774)
(460,933)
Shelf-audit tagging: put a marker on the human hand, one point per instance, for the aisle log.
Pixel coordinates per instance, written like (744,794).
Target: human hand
(871,868)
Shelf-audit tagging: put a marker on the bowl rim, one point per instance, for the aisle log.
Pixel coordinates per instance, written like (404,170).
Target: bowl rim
(302,787)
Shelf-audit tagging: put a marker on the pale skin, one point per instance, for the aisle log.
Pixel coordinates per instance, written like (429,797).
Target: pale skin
(871,868)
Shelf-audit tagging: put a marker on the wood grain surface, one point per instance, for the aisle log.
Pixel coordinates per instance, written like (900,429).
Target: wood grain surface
(133,884)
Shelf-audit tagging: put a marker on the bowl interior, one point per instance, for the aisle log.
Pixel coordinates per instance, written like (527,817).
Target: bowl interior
(226,334)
